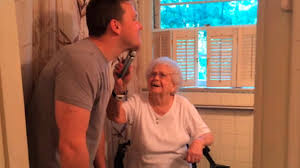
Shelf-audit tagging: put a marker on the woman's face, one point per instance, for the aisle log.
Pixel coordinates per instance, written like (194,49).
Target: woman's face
(160,81)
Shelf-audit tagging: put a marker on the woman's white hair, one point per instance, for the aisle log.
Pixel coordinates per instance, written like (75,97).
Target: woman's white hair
(176,75)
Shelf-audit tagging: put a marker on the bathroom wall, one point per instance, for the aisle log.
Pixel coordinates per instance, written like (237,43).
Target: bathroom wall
(24,27)
(13,144)
(233,133)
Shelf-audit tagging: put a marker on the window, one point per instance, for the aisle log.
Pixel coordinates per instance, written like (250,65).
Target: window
(214,47)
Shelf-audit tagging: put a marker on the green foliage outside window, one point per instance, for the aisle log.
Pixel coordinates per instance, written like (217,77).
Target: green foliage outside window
(212,13)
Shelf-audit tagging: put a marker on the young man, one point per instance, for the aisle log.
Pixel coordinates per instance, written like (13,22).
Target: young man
(68,108)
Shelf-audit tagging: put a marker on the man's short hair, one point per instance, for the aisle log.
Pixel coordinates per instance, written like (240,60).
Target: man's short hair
(99,13)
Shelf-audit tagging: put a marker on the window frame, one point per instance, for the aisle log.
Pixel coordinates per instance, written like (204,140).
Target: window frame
(162,47)
(241,98)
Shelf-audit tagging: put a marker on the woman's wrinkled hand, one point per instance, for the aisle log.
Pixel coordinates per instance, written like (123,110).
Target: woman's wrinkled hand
(194,153)
(121,83)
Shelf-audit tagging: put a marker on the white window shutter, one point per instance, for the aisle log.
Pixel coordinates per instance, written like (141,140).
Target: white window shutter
(221,57)
(246,56)
(185,53)
(162,44)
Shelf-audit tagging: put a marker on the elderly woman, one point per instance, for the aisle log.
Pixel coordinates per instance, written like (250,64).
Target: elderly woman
(162,123)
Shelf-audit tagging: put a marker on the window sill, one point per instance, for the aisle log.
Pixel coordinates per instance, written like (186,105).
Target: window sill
(217,89)
(224,107)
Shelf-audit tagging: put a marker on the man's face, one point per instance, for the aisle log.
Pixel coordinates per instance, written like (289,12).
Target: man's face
(131,27)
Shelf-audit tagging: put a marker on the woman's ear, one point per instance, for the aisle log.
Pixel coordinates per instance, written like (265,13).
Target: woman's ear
(115,26)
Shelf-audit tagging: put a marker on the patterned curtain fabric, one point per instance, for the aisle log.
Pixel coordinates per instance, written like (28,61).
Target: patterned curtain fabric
(56,23)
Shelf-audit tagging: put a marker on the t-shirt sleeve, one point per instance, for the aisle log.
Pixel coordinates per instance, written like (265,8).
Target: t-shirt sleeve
(196,127)
(76,83)
(130,107)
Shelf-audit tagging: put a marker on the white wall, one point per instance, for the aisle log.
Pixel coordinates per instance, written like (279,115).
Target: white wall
(233,133)
(13,145)
(24,27)
(277,83)
(294,91)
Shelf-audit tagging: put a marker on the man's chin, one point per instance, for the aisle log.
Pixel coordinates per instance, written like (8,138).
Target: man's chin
(136,47)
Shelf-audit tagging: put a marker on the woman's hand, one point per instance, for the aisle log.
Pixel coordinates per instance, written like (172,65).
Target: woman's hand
(194,153)
(121,83)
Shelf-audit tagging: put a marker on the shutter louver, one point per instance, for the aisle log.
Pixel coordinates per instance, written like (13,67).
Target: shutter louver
(221,57)
(162,44)
(246,57)
(185,53)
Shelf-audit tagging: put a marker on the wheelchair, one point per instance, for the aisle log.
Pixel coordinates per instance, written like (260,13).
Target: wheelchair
(118,162)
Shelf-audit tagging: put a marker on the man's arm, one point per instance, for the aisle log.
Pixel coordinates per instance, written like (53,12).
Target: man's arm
(72,123)
(100,155)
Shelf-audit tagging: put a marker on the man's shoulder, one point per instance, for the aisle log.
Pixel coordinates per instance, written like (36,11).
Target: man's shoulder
(83,45)
(83,51)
